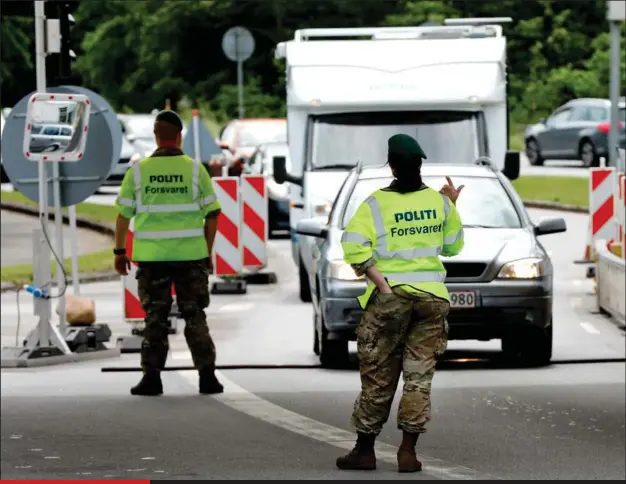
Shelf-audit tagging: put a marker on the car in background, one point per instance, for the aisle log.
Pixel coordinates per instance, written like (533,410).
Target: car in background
(260,163)
(126,154)
(50,137)
(578,130)
(138,129)
(240,137)
(500,285)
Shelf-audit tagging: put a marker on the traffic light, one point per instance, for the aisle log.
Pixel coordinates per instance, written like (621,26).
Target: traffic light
(67,55)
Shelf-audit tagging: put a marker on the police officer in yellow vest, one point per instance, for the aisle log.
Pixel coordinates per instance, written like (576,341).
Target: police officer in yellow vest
(394,239)
(175,208)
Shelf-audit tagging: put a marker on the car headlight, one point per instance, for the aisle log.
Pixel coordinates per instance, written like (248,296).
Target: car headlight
(342,271)
(523,269)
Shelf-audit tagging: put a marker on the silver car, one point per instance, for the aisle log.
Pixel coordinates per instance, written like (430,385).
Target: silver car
(578,130)
(500,284)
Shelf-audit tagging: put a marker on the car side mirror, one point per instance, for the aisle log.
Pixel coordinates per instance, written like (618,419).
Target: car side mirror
(543,120)
(311,227)
(279,165)
(131,137)
(511,165)
(550,226)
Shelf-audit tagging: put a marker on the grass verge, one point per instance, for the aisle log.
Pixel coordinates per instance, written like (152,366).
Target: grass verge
(95,262)
(93,211)
(87,264)
(558,189)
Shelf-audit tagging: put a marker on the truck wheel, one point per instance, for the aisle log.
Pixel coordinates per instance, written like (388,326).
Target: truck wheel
(305,287)
(333,352)
(537,346)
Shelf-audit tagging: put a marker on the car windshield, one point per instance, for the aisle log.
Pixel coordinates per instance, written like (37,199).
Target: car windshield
(483,202)
(345,139)
(141,127)
(254,134)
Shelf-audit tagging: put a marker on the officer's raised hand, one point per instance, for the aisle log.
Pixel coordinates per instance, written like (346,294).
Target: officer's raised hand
(122,264)
(450,191)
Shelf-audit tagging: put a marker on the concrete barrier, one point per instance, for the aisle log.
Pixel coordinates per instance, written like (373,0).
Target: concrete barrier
(611,282)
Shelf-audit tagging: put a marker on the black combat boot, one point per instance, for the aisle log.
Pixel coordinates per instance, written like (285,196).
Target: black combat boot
(149,386)
(407,458)
(362,457)
(209,384)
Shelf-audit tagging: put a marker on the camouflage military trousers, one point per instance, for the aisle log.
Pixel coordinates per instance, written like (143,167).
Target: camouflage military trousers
(191,281)
(399,334)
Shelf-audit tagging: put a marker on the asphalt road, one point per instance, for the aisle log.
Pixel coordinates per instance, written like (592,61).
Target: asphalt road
(564,421)
(17,239)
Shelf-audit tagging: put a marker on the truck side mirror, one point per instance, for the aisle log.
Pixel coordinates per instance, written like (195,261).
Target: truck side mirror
(511,165)
(279,164)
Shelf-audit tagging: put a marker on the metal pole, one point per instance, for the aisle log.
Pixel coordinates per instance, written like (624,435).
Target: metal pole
(42,307)
(196,135)
(58,222)
(240,87)
(74,248)
(614,159)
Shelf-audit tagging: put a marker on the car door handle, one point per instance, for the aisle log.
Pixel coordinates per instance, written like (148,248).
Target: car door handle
(297,205)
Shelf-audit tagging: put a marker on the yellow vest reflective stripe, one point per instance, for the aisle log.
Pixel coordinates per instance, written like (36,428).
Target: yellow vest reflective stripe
(415,263)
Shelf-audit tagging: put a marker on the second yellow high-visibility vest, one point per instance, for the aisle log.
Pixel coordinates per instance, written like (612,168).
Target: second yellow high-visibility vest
(169,196)
(405,233)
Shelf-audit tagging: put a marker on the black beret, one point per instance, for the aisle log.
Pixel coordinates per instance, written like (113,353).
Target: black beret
(404,145)
(170,117)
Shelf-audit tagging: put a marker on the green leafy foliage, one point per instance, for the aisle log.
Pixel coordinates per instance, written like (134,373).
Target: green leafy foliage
(138,54)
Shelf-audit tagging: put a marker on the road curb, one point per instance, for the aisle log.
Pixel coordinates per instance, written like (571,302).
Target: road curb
(82,222)
(555,206)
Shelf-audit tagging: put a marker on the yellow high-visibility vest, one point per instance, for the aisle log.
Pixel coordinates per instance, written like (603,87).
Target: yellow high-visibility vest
(170,197)
(405,233)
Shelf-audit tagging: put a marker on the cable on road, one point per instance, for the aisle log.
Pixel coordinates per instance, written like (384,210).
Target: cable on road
(128,369)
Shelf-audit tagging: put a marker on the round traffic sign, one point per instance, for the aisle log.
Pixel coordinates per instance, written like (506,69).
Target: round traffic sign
(238,44)
(79,180)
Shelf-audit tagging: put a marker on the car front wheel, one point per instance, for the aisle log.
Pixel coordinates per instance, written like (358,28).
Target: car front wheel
(533,346)
(333,353)
(588,154)
(533,152)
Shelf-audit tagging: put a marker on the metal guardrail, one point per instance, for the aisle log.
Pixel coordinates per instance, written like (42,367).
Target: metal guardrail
(611,282)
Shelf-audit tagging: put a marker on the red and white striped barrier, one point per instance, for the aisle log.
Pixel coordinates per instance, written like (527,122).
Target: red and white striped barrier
(620,211)
(602,205)
(133,311)
(254,231)
(228,249)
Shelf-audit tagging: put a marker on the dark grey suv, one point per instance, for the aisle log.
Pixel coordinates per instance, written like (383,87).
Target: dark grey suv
(578,130)
(500,284)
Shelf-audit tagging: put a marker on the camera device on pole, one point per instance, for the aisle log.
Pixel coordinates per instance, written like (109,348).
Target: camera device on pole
(238,46)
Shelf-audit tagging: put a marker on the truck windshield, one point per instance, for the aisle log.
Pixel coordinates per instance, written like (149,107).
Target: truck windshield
(345,139)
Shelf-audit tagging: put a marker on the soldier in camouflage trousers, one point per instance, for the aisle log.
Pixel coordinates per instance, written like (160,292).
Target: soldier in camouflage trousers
(394,239)
(190,280)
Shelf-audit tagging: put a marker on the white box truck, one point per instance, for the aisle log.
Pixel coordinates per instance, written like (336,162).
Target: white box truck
(349,90)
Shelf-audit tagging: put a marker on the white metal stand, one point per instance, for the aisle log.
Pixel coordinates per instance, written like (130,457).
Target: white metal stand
(74,248)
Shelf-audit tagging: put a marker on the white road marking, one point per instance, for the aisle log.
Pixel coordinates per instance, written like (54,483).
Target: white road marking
(243,401)
(590,328)
(235,307)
